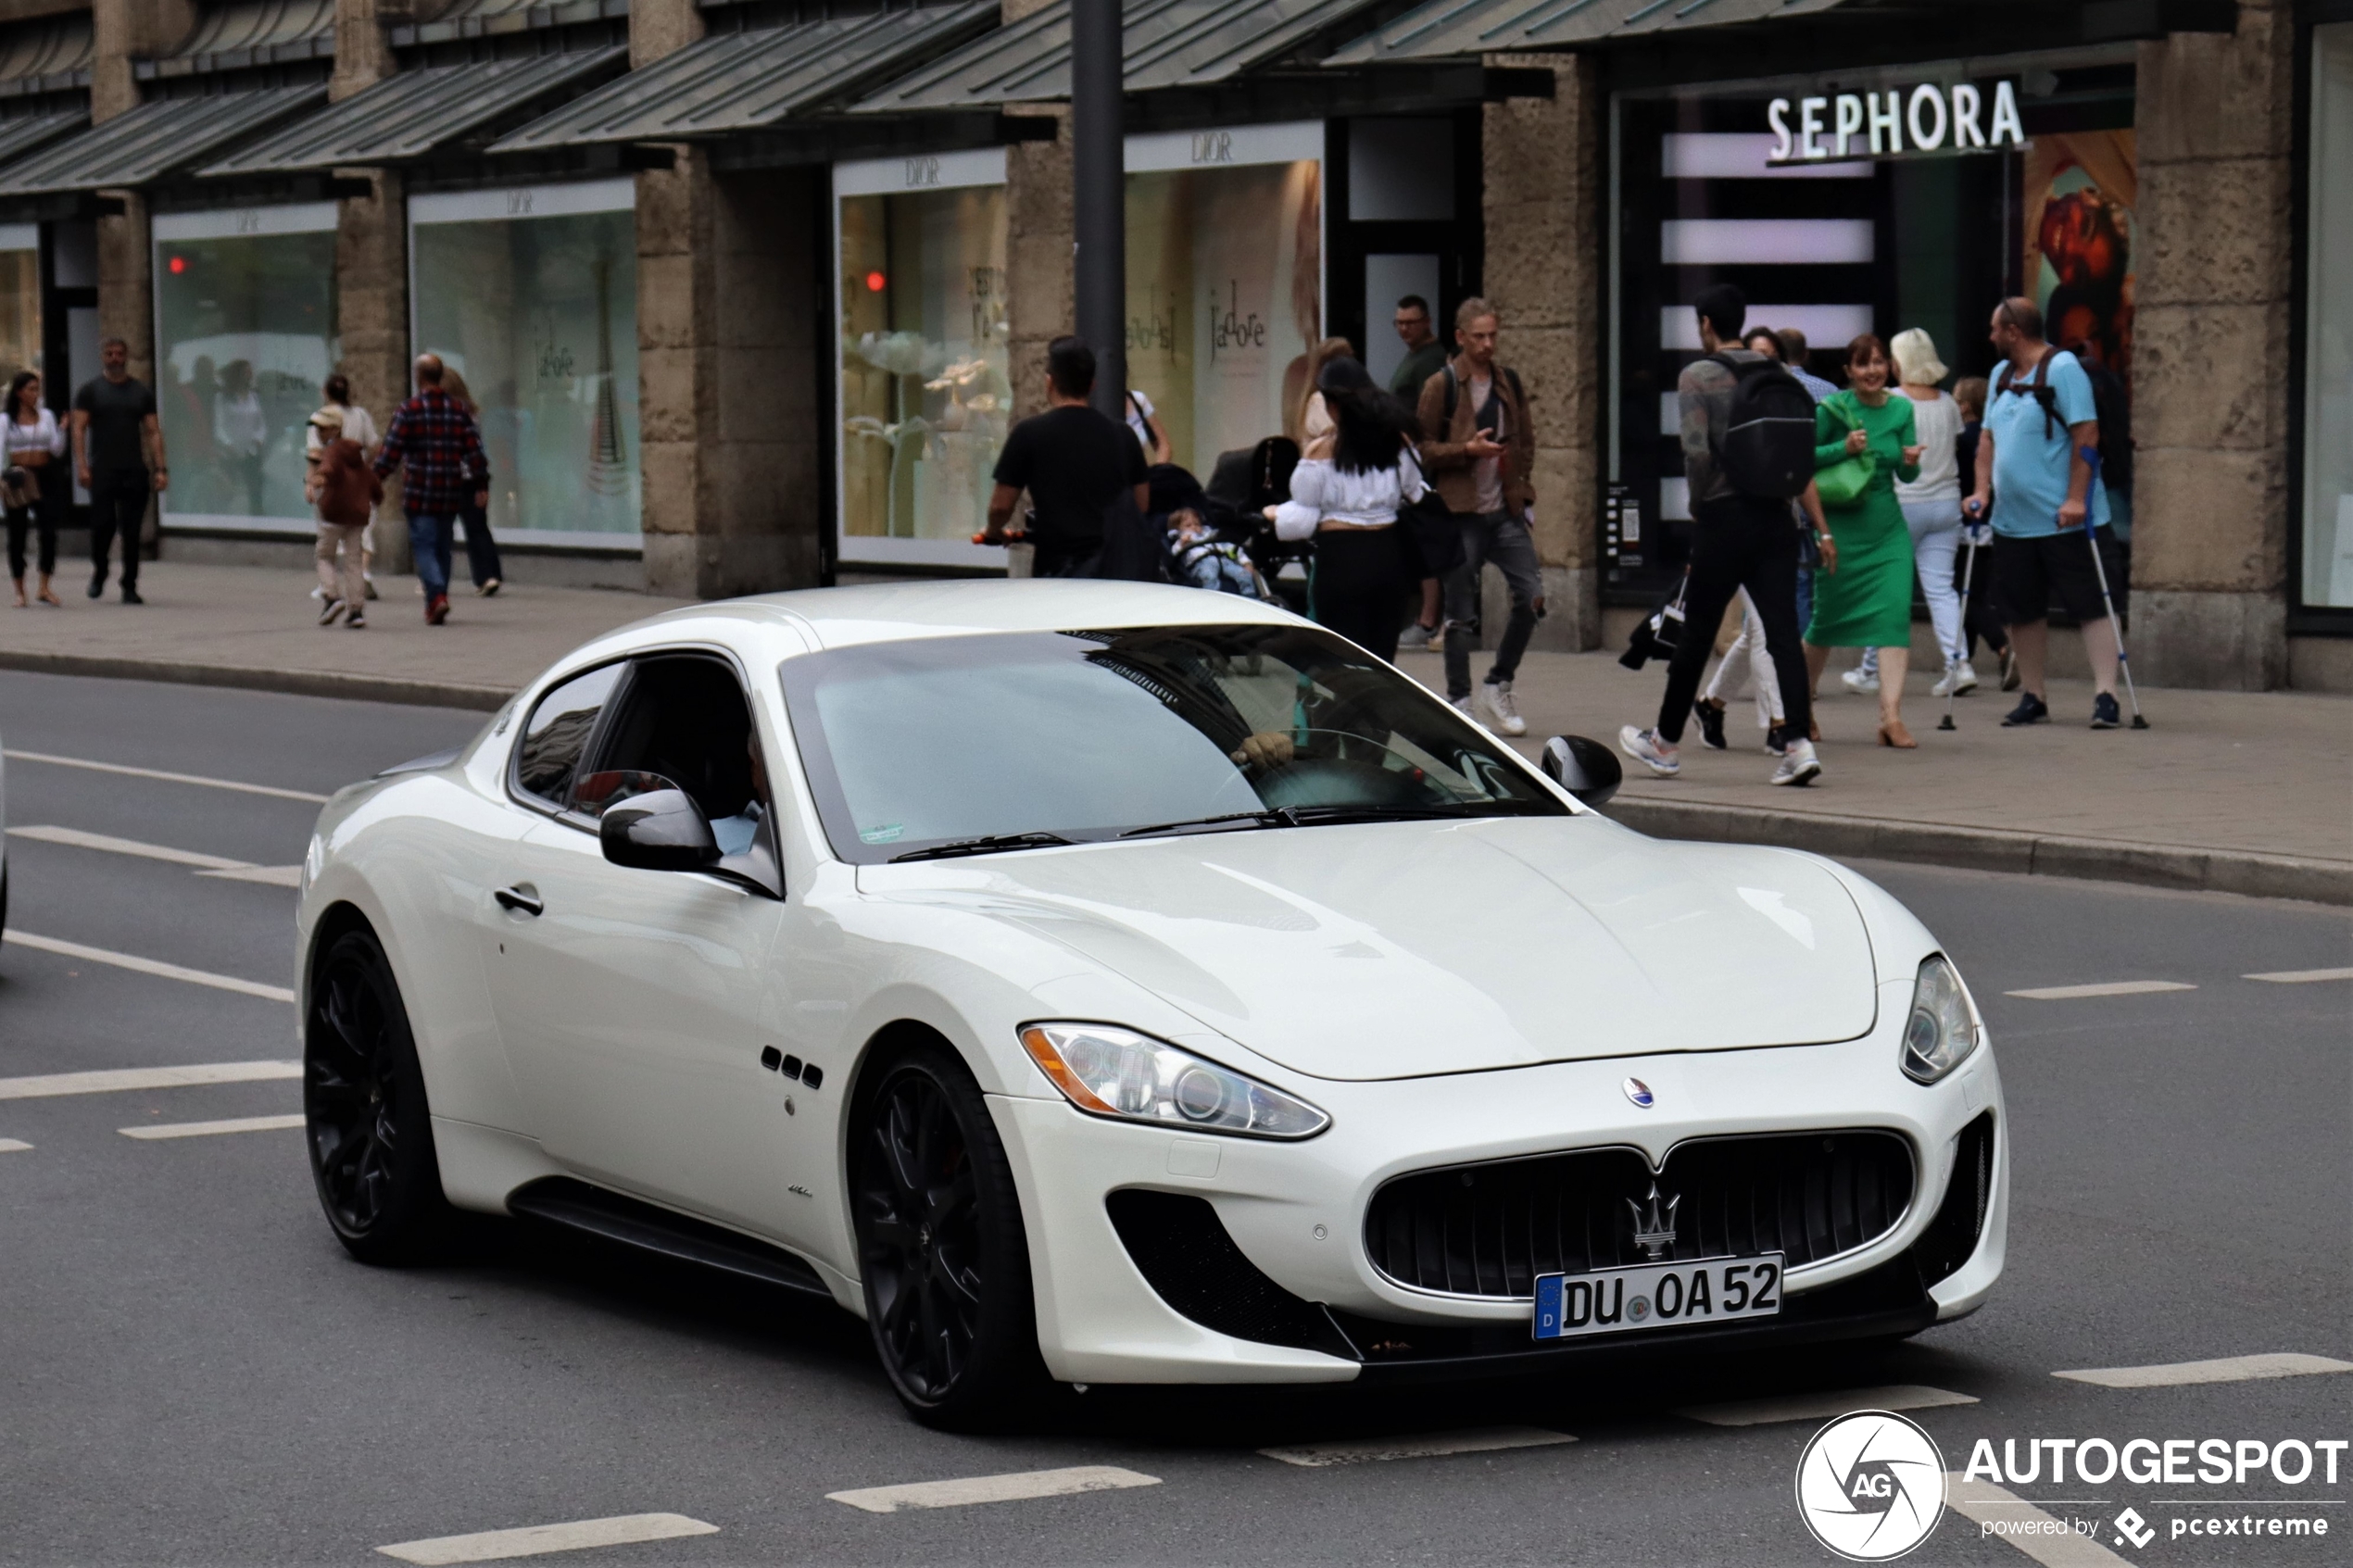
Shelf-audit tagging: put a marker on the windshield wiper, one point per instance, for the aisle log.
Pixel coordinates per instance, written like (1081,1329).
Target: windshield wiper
(988,846)
(1279,817)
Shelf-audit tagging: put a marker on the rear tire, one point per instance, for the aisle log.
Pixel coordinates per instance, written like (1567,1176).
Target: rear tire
(367,1121)
(941,1249)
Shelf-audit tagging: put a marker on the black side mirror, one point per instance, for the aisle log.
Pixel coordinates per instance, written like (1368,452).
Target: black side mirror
(1587,769)
(662,831)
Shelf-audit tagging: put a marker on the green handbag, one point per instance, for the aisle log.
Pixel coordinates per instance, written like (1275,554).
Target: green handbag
(1842,484)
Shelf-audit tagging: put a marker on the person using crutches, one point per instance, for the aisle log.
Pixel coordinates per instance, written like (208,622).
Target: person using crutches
(2037,488)
(1974,534)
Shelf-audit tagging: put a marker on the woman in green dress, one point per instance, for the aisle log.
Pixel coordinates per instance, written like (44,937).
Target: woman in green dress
(1867,603)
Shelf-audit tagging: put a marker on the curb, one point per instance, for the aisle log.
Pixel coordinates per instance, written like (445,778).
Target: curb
(295,682)
(2021,854)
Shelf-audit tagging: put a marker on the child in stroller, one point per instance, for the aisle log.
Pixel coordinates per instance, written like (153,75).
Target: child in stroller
(1201,553)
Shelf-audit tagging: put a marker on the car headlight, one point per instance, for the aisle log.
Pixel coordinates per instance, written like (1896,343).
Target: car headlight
(1117,1073)
(1943,1028)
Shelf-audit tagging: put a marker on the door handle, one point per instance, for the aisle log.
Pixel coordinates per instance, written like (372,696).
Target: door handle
(520,897)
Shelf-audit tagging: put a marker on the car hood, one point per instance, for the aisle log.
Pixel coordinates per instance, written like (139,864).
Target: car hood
(1402,949)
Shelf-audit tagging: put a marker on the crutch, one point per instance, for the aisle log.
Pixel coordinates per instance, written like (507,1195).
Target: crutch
(2091,454)
(1969,574)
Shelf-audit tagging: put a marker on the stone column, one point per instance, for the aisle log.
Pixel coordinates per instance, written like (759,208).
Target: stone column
(124,31)
(1546,234)
(371,258)
(2210,390)
(1041,283)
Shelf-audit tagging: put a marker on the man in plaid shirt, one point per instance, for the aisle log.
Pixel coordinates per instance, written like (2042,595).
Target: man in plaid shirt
(438,440)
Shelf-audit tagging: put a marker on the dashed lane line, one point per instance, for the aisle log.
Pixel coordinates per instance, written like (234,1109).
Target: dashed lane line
(489,1546)
(2111,988)
(2052,1542)
(149,966)
(1821,1407)
(1015,1487)
(2301,976)
(115,1080)
(206,1129)
(2228,1369)
(218,866)
(13,1146)
(166,777)
(1436,1445)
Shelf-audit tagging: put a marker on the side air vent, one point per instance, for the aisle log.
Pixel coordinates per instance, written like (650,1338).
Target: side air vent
(1960,1220)
(1181,1248)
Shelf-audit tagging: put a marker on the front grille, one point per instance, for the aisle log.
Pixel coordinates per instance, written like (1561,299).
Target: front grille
(1490,1229)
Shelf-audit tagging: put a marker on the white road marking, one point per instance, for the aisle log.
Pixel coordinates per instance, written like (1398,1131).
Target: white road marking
(204,1129)
(166,777)
(488,1545)
(2112,988)
(2229,1368)
(149,966)
(275,876)
(13,1146)
(1820,1407)
(1434,1445)
(2048,1541)
(994,1489)
(2301,976)
(113,845)
(117,1079)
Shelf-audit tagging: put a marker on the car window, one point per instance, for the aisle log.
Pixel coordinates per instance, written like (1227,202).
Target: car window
(684,723)
(548,757)
(933,741)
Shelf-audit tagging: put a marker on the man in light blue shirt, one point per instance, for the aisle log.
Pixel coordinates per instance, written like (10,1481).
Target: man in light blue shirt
(2033,485)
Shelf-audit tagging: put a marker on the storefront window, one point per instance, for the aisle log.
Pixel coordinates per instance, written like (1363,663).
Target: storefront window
(1225,283)
(244,337)
(925,395)
(531,296)
(2328,349)
(20,297)
(1908,196)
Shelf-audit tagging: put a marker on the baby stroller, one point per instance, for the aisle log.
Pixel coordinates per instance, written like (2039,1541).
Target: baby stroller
(1206,543)
(1242,488)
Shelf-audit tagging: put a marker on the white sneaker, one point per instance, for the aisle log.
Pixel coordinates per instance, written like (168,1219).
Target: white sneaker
(1645,747)
(1415,636)
(1799,766)
(1861,680)
(1462,704)
(1496,698)
(1958,678)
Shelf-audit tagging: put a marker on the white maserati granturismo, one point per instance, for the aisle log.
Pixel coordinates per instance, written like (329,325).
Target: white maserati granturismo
(1111,984)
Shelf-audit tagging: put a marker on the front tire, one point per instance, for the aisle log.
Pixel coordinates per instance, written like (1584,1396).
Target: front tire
(942,1247)
(367,1121)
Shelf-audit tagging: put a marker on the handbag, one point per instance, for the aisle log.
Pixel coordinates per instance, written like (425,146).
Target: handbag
(1843,483)
(19,487)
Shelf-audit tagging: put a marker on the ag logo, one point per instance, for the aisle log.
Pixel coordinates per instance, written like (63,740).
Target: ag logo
(1870,1486)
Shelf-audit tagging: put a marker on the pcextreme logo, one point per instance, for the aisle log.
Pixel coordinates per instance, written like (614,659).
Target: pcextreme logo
(1870,1486)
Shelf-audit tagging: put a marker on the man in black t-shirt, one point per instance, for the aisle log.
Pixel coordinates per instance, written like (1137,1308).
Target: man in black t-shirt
(1074,462)
(114,430)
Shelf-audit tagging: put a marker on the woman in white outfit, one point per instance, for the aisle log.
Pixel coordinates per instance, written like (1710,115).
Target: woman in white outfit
(1348,502)
(1931,510)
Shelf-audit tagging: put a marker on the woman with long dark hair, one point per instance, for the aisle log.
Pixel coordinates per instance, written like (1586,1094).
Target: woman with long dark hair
(1867,602)
(34,440)
(1348,503)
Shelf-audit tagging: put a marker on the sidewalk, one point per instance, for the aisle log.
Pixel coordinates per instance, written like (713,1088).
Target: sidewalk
(2228,791)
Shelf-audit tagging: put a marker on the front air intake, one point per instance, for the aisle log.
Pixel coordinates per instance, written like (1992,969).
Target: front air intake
(1960,1220)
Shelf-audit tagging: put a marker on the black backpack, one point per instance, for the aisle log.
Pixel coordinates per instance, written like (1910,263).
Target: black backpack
(2112,404)
(1769,441)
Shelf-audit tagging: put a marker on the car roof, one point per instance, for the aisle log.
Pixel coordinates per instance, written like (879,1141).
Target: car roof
(876,612)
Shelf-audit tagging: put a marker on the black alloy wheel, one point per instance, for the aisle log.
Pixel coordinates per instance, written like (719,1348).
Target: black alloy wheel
(366,1117)
(941,1246)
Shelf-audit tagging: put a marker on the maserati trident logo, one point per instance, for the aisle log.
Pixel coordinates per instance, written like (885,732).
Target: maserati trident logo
(1654,1230)
(1640,1093)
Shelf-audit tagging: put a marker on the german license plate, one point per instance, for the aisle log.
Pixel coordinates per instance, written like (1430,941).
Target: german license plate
(1658,1296)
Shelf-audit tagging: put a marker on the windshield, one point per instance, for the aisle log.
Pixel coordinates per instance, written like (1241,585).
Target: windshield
(926,746)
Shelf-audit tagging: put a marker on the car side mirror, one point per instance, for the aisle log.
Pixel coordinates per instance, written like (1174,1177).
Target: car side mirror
(1587,769)
(662,831)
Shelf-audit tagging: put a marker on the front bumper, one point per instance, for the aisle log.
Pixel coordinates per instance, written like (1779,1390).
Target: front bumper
(1295,1212)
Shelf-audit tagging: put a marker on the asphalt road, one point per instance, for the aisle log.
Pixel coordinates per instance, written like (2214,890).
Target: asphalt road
(192,1371)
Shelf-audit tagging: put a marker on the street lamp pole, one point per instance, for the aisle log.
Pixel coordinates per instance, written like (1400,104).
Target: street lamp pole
(1099,195)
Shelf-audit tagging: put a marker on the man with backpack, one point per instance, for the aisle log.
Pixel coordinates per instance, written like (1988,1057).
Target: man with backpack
(1479,451)
(2034,485)
(1748,451)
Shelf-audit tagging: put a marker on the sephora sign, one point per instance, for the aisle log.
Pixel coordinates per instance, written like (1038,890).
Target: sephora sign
(1927,119)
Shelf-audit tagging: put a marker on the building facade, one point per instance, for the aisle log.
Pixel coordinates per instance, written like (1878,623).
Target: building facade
(748,292)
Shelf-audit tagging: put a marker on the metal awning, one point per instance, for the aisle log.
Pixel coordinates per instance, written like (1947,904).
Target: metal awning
(19,137)
(415,112)
(153,140)
(1453,29)
(1167,44)
(498,19)
(754,80)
